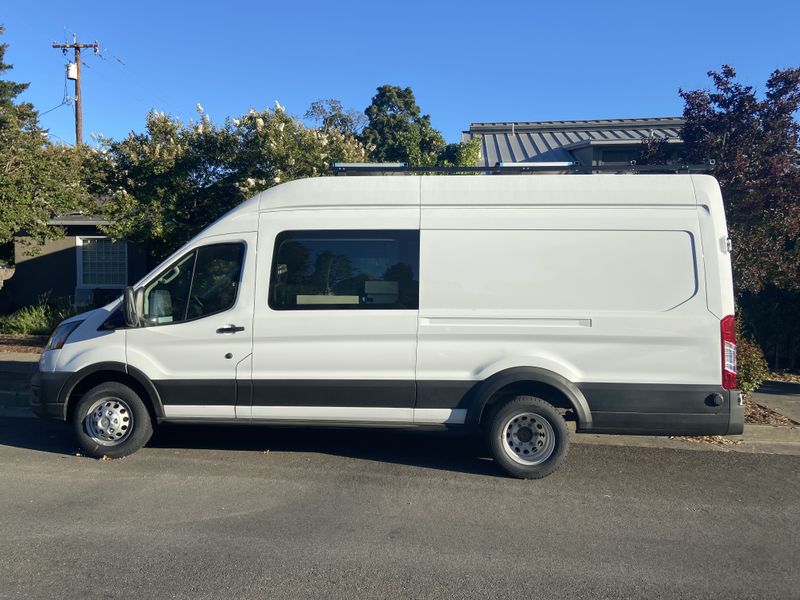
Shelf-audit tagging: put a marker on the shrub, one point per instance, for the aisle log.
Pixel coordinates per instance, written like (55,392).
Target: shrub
(37,319)
(751,364)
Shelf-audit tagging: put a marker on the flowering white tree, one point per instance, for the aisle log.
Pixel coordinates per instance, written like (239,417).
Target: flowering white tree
(163,185)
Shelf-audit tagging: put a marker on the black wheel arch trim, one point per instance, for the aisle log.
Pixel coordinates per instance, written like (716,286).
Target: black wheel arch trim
(489,387)
(136,374)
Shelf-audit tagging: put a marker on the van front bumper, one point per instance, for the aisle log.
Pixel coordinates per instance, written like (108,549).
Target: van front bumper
(45,394)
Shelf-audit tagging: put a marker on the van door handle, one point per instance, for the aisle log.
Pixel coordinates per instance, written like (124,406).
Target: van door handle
(230,329)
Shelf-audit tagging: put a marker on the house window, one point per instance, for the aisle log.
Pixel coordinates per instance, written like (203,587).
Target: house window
(102,263)
(614,157)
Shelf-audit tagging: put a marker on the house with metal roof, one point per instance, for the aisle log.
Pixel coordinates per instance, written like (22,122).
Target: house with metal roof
(601,142)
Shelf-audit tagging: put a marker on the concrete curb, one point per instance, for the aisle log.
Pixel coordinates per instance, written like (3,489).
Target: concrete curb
(756,439)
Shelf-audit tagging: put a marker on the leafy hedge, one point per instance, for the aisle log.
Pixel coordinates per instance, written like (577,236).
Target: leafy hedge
(751,364)
(37,319)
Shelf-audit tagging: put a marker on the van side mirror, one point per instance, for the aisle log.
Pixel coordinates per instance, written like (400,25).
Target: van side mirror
(130,307)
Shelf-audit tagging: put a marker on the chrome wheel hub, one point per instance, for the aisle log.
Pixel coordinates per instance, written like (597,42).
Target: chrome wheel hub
(528,438)
(109,421)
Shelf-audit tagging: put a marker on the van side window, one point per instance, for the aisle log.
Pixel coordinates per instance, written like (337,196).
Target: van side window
(345,270)
(203,282)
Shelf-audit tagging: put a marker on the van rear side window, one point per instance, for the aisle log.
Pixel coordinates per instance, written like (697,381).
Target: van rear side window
(345,270)
(558,270)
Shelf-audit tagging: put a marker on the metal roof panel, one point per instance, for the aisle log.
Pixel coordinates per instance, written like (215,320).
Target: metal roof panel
(546,140)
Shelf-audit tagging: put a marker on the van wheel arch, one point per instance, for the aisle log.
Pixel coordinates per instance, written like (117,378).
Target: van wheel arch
(89,377)
(550,386)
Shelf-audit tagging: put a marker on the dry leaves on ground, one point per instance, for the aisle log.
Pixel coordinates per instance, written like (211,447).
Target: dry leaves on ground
(760,415)
(753,414)
(784,376)
(32,344)
(716,440)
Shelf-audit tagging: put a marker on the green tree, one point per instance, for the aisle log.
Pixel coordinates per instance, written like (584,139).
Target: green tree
(397,131)
(331,116)
(462,154)
(754,140)
(38,180)
(9,90)
(170,181)
(755,143)
(167,182)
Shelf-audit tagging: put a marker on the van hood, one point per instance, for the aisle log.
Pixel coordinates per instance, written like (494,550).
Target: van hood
(103,311)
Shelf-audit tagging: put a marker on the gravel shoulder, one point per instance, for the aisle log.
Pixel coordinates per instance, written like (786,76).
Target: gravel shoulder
(29,344)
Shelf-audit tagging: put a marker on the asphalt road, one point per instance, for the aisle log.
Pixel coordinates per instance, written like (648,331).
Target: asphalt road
(250,512)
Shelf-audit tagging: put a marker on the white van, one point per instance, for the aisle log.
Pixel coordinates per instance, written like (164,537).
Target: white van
(506,304)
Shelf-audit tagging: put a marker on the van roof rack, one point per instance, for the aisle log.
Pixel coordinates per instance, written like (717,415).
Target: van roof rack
(518,167)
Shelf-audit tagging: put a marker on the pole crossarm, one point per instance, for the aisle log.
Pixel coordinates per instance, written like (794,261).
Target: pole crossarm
(96,46)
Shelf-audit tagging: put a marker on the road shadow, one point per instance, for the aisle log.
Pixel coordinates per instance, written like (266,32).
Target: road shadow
(780,388)
(443,450)
(37,434)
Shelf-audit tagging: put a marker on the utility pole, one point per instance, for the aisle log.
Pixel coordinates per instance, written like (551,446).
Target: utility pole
(76,47)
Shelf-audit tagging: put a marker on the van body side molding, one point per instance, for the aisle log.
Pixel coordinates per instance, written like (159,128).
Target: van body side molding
(323,414)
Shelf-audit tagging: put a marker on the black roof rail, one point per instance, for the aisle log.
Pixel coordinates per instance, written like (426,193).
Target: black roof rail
(518,168)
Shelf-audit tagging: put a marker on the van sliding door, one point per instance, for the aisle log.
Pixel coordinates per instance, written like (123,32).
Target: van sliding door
(335,322)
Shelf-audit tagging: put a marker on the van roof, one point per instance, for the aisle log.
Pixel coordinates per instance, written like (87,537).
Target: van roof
(498,190)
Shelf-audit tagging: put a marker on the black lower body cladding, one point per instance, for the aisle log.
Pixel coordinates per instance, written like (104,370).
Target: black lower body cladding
(655,409)
(648,409)
(45,394)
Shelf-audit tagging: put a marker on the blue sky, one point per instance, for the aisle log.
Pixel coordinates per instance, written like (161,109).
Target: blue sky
(466,61)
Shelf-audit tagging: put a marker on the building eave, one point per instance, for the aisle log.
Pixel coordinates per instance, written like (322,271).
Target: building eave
(594,143)
(576,125)
(79,221)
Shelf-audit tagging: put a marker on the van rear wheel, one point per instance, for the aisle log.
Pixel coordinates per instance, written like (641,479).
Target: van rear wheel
(528,438)
(111,420)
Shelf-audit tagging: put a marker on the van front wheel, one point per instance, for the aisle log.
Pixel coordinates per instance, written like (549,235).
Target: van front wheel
(111,420)
(528,438)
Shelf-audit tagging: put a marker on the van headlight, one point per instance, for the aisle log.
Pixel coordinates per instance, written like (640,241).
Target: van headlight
(61,334)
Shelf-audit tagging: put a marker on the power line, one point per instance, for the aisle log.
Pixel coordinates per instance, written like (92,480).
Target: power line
(52,109)
(65,99)
(57,136)
(135,80)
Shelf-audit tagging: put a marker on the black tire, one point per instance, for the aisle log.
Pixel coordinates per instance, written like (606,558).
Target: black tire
(119,420)
(518,455)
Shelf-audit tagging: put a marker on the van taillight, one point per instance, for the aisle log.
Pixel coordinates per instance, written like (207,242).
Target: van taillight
(728,336)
